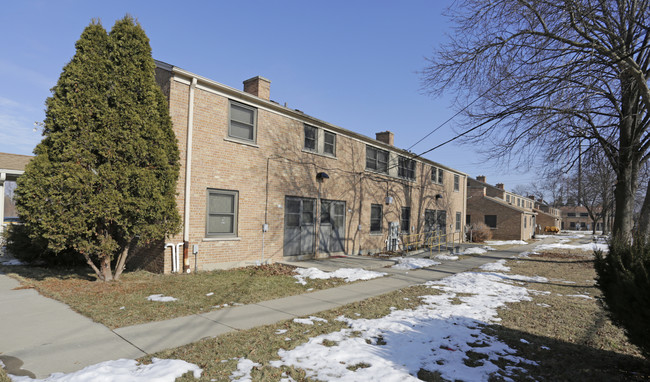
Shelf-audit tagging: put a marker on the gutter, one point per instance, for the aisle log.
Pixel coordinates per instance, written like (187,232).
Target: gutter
(188,178)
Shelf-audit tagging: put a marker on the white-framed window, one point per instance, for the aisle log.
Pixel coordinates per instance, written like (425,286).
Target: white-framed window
(311,135)
(221,217)
(319,141)
(456,182)
(437,175)
(376,159)
(242,122)
(406,168)
(458,217)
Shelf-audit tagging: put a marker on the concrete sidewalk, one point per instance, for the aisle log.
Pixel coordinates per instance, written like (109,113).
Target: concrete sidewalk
(40,336)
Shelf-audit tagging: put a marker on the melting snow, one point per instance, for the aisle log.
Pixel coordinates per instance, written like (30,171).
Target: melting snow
(496,266)
(12,262)
(445,257)
(475,251)
(308,321)
(124,370)
(348,274)
(435,336)
(244,368)
(161,298)
(413,263)
(505,242)
(582,247)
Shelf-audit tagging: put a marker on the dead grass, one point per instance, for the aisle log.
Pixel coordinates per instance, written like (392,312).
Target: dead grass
(568,334)
(124,303)
(583,344)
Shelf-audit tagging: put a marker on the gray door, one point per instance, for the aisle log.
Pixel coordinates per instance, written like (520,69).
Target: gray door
(332,226)
(429,224)
(299,226)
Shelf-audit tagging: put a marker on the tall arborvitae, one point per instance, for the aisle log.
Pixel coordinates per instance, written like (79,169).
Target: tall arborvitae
(104,176)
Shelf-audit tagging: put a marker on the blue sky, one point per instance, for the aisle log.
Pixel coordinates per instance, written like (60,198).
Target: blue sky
(351,63)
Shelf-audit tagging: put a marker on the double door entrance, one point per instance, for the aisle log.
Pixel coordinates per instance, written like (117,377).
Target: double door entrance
(435,221)
(300,228)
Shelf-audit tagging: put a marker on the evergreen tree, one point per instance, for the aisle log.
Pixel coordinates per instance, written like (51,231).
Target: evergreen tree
(104,176)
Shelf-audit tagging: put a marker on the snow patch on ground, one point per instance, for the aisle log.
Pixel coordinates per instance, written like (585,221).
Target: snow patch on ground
(244,368)
(475,251)
(435,336)
(413,263)
(505,242)
(580,296)
(308,321)
(581,247)
(498,265)
(445,257)
(348,274)
(124,370)
(161,298)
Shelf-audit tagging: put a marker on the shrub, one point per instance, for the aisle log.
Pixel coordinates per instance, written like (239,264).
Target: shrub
(21,246)
(623,279)
(480,232)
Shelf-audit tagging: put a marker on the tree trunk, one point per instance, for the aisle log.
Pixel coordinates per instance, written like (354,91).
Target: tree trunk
(644,218)
(105,264)
(121,260)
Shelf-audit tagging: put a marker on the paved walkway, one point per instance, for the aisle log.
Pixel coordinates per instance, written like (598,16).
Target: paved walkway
(40,336)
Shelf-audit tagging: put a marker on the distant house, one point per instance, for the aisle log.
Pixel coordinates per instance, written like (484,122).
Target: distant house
(547,216)
(11,167)
(510,216)
(577,218)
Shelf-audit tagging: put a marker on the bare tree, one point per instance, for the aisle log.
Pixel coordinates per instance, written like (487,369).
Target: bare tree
(553,76)
(596,192)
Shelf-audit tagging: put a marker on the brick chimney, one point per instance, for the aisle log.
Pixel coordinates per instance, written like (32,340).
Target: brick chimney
(387,137)
(500,186)
(481,178)
(258,86)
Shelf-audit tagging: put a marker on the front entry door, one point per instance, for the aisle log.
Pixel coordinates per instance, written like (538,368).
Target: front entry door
(332,226)
(299,214)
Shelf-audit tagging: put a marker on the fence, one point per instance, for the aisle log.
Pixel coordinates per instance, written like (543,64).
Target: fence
(429,240)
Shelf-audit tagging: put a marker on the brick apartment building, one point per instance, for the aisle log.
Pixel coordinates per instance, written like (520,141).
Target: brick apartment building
(547,216)
(577,218)
(256,176)
(510,216)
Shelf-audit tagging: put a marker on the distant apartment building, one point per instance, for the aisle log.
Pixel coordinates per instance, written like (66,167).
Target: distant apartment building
(264,182)
(510,216)
(577,218)
(547,216)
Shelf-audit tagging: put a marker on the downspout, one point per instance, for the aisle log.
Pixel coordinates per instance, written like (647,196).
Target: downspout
(188,178)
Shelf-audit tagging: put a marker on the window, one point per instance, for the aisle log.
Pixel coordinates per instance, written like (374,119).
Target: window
(436,175)
(584,214)
(518,202)
(242,121)
(458,217)
(222,213)
(310,138)
(330,143)
(405,221)
(406,168)
(508,198)
(572,224)
(571,214)
(319,141)
(375,217)
(376,159)
(525,220)
(491,221)
(456,183)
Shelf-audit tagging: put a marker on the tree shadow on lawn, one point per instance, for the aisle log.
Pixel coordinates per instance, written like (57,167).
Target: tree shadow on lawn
(42,272)
(563,361)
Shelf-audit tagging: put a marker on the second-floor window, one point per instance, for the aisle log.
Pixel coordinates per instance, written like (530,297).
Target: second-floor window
(243,120)
(406,168)
(329,144)
(456,183)
(376,159)
(319,141)
(311,134)
(437,175)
